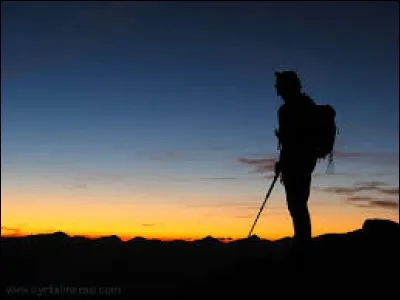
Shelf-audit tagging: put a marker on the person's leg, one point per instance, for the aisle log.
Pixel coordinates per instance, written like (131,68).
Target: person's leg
(297,188)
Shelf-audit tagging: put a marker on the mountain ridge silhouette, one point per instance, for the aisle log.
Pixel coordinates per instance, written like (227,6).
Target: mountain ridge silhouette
(206,267)
(371,224)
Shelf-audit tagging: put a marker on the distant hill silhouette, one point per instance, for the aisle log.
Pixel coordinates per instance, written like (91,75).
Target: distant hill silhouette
(360,262)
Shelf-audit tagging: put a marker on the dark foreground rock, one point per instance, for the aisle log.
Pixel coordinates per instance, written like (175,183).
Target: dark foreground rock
(356,264)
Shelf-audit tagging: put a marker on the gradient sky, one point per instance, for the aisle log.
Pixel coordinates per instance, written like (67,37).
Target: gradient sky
(157,119)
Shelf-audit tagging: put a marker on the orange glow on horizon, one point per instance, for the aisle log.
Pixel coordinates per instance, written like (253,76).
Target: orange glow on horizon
(174,218)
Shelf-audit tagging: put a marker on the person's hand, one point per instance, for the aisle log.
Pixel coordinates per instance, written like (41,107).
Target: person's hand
(277,167)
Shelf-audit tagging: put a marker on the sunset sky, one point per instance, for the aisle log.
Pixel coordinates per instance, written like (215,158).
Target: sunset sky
(157,119)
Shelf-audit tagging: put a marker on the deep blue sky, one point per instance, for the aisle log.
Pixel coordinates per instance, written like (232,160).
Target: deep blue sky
(157,90)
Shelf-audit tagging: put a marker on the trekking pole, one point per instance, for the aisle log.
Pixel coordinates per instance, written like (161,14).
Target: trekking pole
(265,200)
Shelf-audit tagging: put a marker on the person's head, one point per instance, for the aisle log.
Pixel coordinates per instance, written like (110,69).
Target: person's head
(287,84)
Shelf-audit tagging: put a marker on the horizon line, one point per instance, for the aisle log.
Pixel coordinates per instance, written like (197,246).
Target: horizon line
(125,238)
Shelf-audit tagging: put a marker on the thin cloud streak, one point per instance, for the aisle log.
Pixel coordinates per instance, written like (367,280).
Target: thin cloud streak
(360,199)
(243,205)
(361,187)
(259,165)
(218,178)
(267,164)
(391,191)
(383,158)
(384,204)
(13,230)
(366,201)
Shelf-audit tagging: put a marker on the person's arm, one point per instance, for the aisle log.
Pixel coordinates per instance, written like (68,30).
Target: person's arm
(279,136)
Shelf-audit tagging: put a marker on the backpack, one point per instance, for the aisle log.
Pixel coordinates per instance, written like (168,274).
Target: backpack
(325,131)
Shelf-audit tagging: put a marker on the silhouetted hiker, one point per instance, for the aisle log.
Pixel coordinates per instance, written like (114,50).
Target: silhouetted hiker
(306,132)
